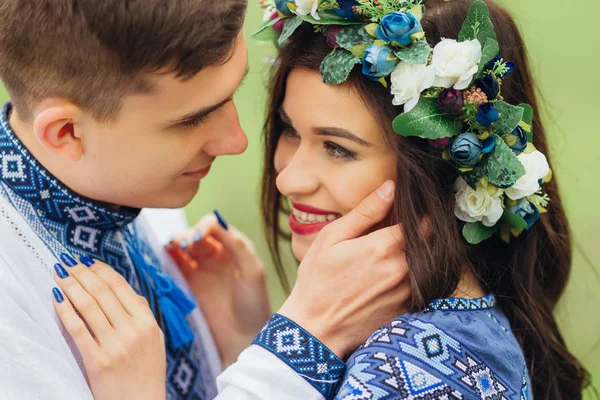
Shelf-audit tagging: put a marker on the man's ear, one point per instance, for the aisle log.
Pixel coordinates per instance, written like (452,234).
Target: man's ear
(57,127)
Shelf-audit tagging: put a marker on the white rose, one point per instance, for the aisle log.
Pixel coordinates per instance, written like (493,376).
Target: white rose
(408,81)
(477,205)
(305,7)
(536,168)
(456,63)
(269,11)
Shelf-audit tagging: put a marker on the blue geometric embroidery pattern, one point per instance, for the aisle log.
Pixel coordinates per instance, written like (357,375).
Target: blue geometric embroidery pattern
(318,365)
(457,304)
(66,222)
(414,359)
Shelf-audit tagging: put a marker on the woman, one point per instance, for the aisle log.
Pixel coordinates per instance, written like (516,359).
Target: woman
(487,270)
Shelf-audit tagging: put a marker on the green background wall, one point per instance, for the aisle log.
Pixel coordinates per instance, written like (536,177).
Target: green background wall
(564,49)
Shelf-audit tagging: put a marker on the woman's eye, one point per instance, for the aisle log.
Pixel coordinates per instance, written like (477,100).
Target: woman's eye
(338,152)
(290,132)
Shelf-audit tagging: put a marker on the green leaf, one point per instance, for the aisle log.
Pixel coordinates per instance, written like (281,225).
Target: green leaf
(417,53)
(508,119)
(336,67)
(264,26)
(328,18)
(528,119)
(473,176)
(351,36)
(512,221)
(502,167)
(476,232)
(478,24)
(289,28)
(427,121)
(489,51)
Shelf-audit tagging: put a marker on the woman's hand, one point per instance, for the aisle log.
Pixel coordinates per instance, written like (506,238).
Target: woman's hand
(224,273)
(122,346)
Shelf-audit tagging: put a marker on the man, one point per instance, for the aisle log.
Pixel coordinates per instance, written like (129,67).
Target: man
(121,105)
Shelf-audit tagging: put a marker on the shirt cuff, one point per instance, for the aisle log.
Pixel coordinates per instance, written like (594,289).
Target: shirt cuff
(302,352)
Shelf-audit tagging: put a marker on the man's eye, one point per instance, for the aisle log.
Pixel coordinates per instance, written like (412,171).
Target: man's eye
(193,123)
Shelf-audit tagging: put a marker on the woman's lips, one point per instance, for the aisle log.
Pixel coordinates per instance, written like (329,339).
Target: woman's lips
(306,220)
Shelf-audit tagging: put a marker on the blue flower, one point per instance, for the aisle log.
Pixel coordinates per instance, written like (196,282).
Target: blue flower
(346,9)
(282,7)
(466,150)
(376,62)
(526,210)
(398,27)
(522,140)
(510,65)
(488,85)
(487,115)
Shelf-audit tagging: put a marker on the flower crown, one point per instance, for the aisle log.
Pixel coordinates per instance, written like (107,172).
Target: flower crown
(451,97)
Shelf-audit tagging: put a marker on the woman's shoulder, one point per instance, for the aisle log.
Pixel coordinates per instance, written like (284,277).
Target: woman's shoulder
(456,349)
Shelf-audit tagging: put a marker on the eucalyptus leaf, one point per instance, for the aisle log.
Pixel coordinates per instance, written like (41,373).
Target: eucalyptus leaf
(478,24)
(417,53)
(336,67)
(512,221)
(473,176)
(509,117)
(502,167)
(427,121)
(352,36)
(489,51)
(289,28)
(476,232)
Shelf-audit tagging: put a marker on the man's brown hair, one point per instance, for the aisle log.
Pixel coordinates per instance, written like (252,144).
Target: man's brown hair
(91,52)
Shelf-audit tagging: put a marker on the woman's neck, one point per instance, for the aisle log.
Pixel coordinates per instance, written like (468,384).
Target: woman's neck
(469,287)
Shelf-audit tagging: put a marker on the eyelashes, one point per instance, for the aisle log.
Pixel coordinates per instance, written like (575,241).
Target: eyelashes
(334,150)
(193,123)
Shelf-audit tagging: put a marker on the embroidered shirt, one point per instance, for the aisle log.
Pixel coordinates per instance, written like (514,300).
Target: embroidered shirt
(456,349)
(68,223)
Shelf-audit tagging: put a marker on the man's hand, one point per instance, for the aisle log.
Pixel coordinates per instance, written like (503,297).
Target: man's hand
(229,281)
(348,286)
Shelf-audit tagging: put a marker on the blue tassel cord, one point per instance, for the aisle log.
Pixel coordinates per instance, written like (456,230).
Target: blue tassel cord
(175,305)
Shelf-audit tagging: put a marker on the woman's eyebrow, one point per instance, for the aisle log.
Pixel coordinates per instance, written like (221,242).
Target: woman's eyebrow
(341,133)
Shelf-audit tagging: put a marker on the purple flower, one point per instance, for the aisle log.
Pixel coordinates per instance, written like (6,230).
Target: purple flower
(466,150)
(278,26)
(488,85)
(398,27)
(331,35)
(346,9)
(451,101)
(376,62)
(487,115)
(440,143)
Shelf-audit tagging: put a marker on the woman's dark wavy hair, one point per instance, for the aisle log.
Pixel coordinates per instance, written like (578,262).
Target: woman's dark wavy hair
(528,276)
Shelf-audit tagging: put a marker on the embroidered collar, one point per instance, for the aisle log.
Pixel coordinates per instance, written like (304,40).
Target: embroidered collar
(50,197)
(458,304)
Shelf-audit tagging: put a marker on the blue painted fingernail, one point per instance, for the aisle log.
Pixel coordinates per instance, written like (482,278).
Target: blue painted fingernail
(87,261)
(58,295)
(60,271)
(197,235)
(184,244)
(68,260)
(221,220)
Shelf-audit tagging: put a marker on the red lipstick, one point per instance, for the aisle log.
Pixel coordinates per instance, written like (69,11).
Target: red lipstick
(307,222)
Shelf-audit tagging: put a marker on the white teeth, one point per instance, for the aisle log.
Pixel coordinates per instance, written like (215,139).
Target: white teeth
(307,218)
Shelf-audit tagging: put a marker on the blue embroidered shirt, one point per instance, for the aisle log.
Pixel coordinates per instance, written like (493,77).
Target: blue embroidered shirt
(68,223)
(456,349)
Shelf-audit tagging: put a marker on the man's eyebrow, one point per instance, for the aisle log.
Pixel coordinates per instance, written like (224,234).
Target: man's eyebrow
(207,110)
(341,133)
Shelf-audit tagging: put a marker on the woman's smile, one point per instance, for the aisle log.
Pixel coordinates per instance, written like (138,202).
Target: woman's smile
(307,220)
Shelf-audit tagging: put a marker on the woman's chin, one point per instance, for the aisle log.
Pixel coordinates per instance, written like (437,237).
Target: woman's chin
(300,245)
